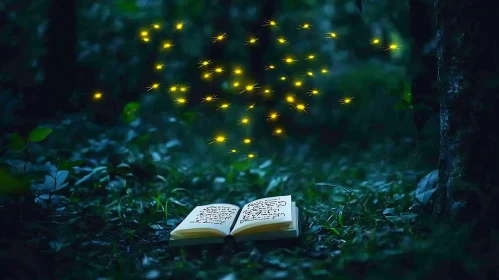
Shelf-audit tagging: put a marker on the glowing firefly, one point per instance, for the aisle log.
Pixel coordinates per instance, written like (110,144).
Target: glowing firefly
(282,41)
(168,45)
(153,86)
(179,26)
(251,41)
(209,98)
(332,35)
(270,23)
(219,37)
(219,139)
(97,96)
(346,100)
(314,92)
(305,26)
(204,63)
(244,121)
(249,88)
(273,116)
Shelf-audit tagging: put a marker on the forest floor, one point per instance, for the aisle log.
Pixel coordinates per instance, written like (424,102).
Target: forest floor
(110,218)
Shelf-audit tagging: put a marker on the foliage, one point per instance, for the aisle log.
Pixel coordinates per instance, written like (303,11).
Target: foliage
(100,199)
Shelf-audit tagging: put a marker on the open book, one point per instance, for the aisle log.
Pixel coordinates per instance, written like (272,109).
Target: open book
(263,219)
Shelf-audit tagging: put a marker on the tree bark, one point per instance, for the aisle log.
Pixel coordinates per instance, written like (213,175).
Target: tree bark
(468,84)
(59,63)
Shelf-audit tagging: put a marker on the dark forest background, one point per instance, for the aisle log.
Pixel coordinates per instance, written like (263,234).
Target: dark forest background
(91,185)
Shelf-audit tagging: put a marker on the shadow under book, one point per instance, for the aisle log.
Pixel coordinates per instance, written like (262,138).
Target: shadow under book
(267,218)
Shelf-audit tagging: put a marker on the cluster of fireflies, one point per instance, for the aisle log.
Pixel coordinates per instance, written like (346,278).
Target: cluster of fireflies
(234,77)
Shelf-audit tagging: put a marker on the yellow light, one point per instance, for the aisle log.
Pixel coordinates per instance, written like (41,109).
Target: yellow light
(97,96)
(178,26)
(181,100)
(154,86)
(167,45)
(206,75)
(314,92)
(290,99)
(209,98)
(219,139)
(332,35)
(251,41)
(270,23)
(219,37)
(204,63)
(273,116)
(346,100)
(300,107)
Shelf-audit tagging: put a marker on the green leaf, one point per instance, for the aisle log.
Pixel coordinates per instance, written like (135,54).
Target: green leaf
(12,185)
(335,231)
(67,165)
(340,218)
(128,6)
(242,165)
(39,134)
(188,117)
(17,142)
(130,111)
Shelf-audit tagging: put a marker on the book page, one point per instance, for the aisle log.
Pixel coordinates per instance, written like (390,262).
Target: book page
(265,211)
(214,218)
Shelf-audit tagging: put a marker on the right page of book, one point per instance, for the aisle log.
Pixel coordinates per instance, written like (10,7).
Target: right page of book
(264,211)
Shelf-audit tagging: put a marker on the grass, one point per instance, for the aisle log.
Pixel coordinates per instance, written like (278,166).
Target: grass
(359,218)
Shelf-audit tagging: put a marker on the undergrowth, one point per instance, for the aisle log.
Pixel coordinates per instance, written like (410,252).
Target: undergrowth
(111,215)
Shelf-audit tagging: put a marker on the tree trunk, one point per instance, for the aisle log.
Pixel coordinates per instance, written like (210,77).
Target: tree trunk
(469,112)
(59,63)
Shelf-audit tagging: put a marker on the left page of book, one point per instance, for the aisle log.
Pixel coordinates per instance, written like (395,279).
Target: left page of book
(207,221)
